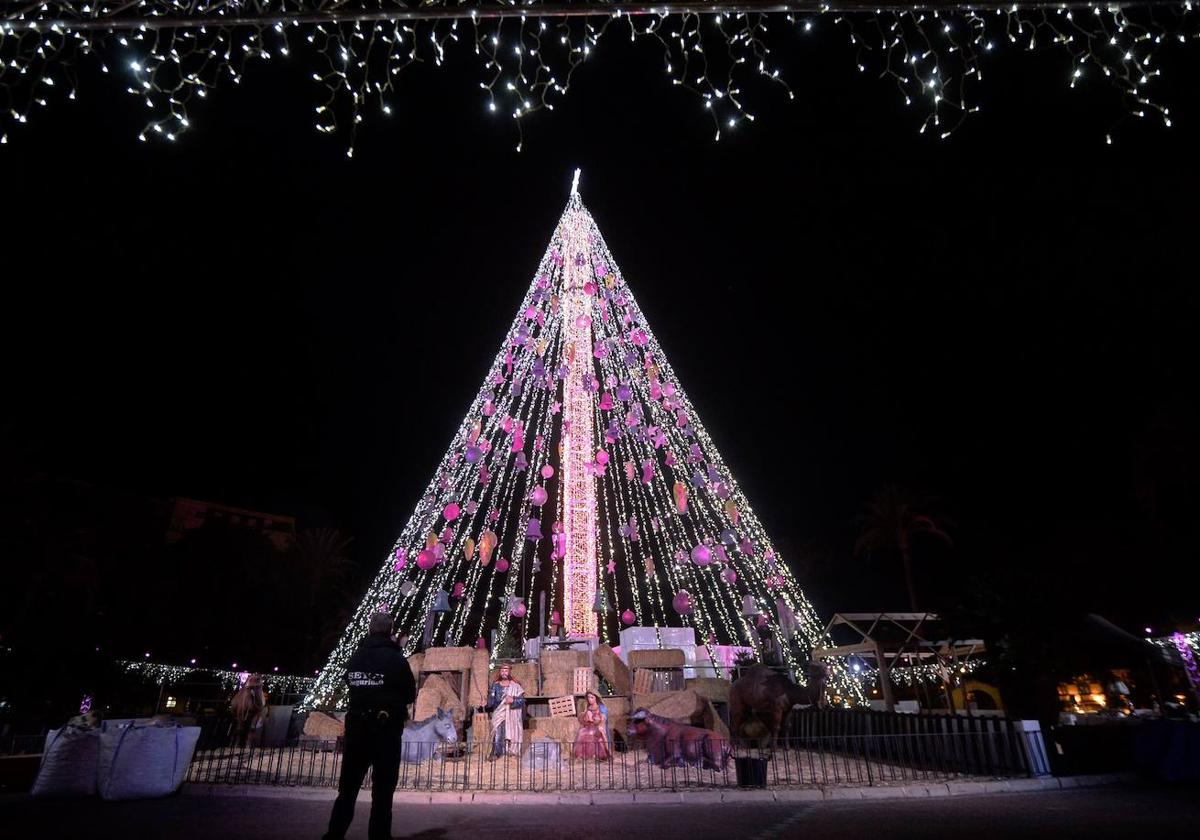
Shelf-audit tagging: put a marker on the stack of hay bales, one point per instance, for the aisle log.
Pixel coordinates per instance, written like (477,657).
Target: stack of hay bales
(448,658)
(712,689)
(436,694)
(680,706)
(481,728)
(558,671)
(659,661)
(612,669)
(688,706)
(562,729)
(477,688)
(526,673)
(415,663)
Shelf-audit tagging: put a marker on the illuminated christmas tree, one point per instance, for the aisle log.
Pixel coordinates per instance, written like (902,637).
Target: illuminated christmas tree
(582,471)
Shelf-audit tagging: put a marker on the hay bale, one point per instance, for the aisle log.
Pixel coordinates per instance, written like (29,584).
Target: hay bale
(558,661)
(323,726)
(647,701)
(615,705)
(561,729)
(711,688)
(666,658)
(712,720)
(558,684)
(526,673)
(437,694)
(481,728)
(610,666)
(415,663)
(477,690)
(449,658)
(681,706)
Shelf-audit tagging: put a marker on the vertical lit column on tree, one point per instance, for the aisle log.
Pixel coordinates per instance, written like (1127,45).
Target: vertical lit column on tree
(579,484)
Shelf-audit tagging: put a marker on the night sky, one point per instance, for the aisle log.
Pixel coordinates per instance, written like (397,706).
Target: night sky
(1004,320)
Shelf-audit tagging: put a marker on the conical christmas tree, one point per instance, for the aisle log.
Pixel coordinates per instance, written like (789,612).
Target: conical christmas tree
(582,471)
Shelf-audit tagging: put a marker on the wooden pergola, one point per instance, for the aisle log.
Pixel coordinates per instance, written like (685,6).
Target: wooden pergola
(892,639)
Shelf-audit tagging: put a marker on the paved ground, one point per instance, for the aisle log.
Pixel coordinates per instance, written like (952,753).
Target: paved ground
(1125,811)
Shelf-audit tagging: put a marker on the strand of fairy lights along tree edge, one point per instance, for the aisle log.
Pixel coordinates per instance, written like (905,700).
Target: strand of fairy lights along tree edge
(809,627)
(163,674)
(424,516)
(430,504)
(1121,47)
(608,258)
(680,442)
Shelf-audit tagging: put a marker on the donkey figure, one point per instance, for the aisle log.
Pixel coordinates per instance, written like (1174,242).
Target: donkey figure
(421,737)
(672,744)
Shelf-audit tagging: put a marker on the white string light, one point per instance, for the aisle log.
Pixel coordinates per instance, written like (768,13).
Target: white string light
(162,674)
(169,53)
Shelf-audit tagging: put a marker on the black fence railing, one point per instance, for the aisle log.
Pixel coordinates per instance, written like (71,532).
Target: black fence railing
(815,761)
(991,746)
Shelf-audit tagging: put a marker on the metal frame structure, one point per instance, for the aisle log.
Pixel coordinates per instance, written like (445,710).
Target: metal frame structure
(947,654)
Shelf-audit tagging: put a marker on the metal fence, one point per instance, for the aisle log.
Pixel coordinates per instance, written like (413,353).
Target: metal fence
(989,746)
(814,761)
(28,744)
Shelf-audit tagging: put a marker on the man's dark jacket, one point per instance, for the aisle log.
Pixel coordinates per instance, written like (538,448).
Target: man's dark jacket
(379,678)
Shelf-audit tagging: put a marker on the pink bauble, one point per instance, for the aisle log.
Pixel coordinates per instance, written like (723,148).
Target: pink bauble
(682,602)
(458,590)
(501,565)
(627,617)
(547,471)
(556,617)
(601,457)
(538,496)
(730,576)
(451,512)
(701,555)
(518,611)
(426,560)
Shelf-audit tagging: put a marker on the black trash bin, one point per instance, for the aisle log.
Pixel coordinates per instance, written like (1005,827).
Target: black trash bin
(750,772)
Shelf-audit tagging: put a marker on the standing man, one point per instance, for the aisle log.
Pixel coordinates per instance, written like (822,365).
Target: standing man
(381,686)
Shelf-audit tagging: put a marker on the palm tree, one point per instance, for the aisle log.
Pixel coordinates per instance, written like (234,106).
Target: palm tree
(894,517)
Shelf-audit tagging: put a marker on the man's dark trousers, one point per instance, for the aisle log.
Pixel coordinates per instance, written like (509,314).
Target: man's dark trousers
(371,741)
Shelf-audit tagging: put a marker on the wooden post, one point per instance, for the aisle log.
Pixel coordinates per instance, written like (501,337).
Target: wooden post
(885,679)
